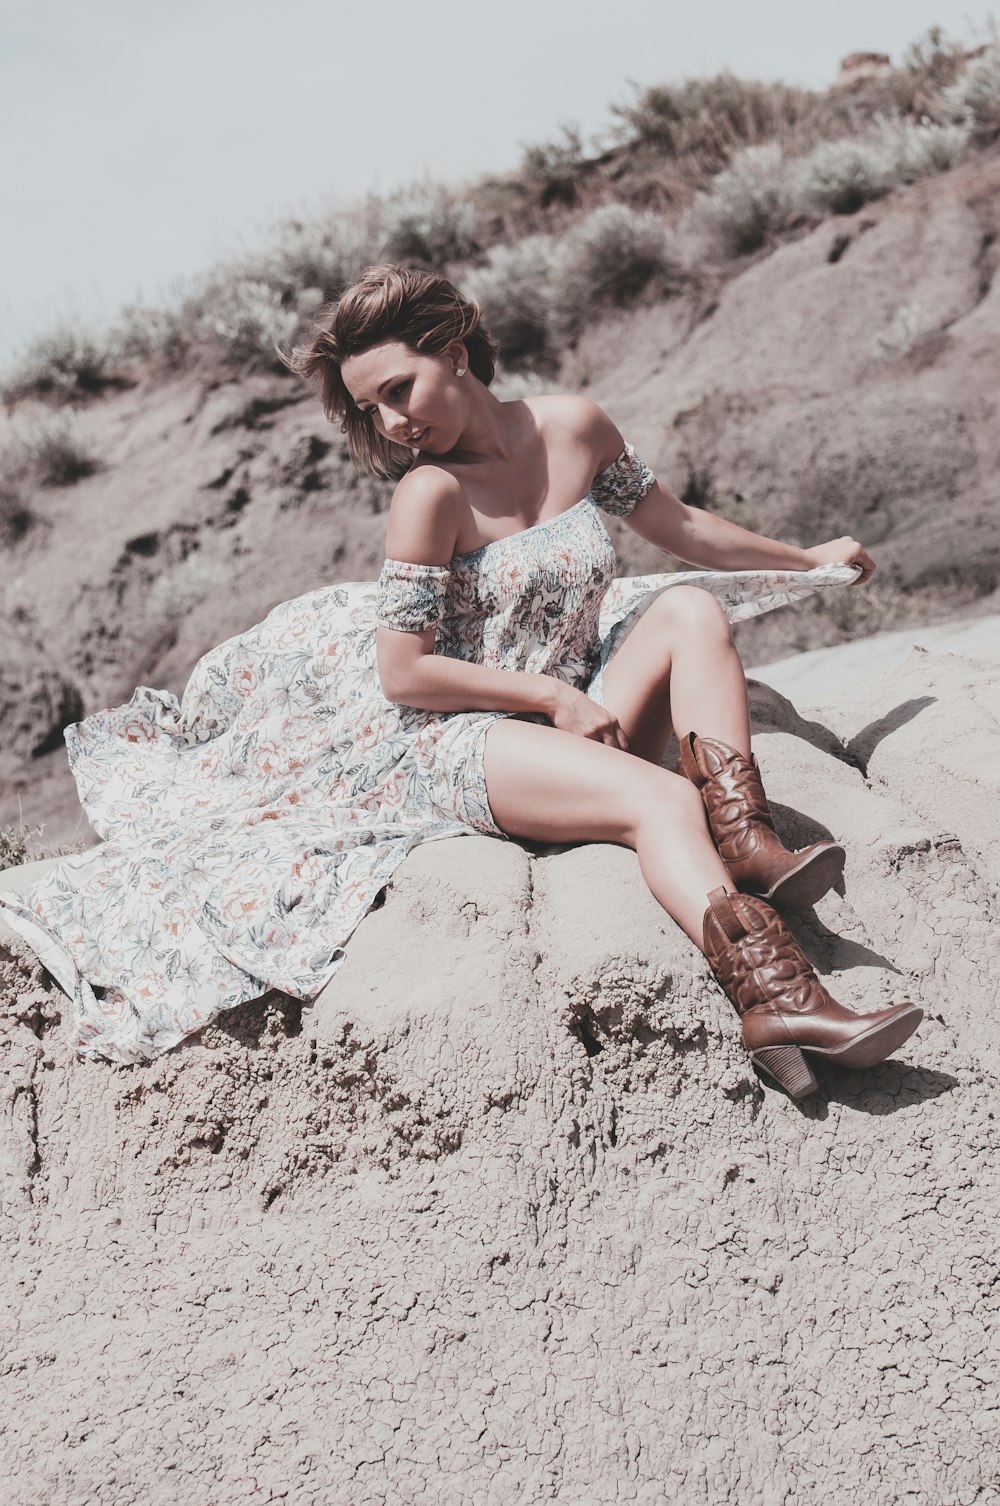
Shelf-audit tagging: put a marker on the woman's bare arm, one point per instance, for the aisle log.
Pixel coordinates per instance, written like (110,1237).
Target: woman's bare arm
(703,538)
(423,528)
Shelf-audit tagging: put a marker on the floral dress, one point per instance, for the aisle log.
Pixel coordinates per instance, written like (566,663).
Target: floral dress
(251,825)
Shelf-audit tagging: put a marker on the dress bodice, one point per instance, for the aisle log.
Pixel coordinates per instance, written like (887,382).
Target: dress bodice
(530,601)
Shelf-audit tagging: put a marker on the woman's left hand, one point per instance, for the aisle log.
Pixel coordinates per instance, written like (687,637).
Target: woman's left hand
(846,551)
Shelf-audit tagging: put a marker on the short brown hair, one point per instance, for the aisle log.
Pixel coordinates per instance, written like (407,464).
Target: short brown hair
(421,310)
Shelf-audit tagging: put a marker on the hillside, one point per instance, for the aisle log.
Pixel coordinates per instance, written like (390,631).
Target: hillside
(844,383)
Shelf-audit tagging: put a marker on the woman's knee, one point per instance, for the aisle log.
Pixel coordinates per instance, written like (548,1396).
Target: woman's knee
(690,609)
(666,800)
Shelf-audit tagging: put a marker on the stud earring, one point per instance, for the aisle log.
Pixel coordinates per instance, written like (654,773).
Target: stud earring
(460,371)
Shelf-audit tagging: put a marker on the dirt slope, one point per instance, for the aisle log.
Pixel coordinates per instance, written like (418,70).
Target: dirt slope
(845,383)
(504,1216)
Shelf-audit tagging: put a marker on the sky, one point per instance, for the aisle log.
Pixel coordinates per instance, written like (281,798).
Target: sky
(143,142)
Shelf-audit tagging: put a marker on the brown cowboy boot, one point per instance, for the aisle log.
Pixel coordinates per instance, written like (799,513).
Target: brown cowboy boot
(741,823)
(784,1007)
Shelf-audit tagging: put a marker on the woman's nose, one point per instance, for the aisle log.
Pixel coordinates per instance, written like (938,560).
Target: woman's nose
(394,422)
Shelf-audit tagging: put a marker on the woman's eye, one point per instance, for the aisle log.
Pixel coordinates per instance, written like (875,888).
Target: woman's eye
(397,391)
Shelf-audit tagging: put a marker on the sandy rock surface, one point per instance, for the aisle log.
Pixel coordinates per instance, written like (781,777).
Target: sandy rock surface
(504,1215)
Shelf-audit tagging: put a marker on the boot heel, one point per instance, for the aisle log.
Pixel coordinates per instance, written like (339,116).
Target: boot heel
(788,1067)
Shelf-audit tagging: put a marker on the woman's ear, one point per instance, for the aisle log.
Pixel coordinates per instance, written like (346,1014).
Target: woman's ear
(459,357)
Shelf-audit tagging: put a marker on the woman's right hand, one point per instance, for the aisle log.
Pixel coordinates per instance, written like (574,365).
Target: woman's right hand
(572,711)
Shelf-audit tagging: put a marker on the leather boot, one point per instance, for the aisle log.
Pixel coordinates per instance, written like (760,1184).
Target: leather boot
(784,1007)
(741,823)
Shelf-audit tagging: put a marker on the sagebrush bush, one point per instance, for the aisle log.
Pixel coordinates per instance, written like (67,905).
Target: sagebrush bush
(58,452)
(428,224)
(973,100)
(838,177)
(929,65)
(149,334)
(747,202)
(707,120)
(909,323)
(553,167)
(16,515)
(70,361)
(179,589)
(243,318)
(513,290)
(923,149)
(608,260)
(324,253)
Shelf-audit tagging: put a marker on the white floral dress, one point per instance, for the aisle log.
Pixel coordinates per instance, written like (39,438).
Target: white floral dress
(250,826)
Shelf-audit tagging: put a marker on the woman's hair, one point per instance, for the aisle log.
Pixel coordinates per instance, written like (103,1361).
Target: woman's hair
(423,311)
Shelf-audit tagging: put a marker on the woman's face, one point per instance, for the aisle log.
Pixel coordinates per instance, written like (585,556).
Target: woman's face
(414,399)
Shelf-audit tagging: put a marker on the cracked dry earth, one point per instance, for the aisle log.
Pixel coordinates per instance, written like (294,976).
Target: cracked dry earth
(505,1217)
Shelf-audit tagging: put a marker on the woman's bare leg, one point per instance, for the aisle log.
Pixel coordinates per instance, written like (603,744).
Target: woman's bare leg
(679,664)
(552,786)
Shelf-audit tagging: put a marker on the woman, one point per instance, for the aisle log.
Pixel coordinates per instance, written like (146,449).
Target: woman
(475,691)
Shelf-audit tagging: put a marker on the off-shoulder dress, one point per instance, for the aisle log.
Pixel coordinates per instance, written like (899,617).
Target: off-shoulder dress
(251,825)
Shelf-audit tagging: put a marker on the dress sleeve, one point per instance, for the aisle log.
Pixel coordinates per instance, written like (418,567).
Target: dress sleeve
(411,597)
(622,485)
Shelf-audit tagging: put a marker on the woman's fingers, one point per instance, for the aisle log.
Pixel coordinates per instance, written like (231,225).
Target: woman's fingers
(864,559)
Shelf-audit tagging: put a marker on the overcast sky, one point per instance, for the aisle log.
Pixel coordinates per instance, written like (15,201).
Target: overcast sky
(142,142)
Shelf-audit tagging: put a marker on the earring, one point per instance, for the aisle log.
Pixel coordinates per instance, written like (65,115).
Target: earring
(460,371)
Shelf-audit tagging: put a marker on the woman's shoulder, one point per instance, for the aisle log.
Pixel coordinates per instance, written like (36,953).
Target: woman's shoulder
(574,417)
(425,515)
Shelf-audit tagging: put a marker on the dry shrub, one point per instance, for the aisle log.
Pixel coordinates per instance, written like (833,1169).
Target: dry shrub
(705,121)
(930,66)
(17,844)
(608,260)
(763,189)
(177,591)
(838,177)
(428,224)
(16,515)
(241,318)
(513,290)
(750,200)
(973,100)
(68,363)
(58,452)
(325,253)
(154,335)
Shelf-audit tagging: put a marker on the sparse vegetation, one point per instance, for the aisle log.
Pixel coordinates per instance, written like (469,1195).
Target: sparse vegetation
(243,318)
(51,452)
(973,100)
(324,254)
(69,362)
(58,452)
(149,334)
(568,237)
(180,589)
(16,844)
(428,224)
(16,515)
(748,201)
(554,166)
(908,325)
(513,290)
(608,260)
(763,189)
(703,122)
